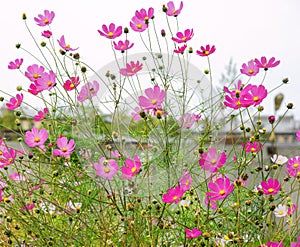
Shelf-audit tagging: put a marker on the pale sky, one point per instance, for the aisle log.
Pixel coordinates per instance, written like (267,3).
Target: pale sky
(241,30)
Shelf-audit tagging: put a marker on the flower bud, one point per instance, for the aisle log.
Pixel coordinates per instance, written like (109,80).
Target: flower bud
(83,69)
(163,33)
(43,44)
(285,80)
(18,45)
(290,105)
(126,30)
(24,17)
(271,119)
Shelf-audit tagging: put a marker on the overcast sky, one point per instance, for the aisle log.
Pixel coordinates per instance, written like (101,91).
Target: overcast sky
(241,30)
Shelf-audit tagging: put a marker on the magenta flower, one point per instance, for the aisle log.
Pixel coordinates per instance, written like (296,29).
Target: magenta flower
(144,15)
(33,89)
(188,120)
(296,244)
(211,161)
(298,135)
(292,210)
(72,83)
(17,177)
(155,98)
(180,49)
(40,115)
(264,64)
(123,46)
(7,157)
(16,64)
(131,68)
(111,32)
(171,11)
(249,69)
(195,233)
(36,138)
(136,114)
(252,147)
(185,181)
(47,34)
(293,166)
(173,195)
(132,167)
(65,147)
(15,102)
(275,244)
(88,91)
(233,98)
(29,206)
(138,25)
(210,203)
(220,189)
(206,51)
(46,19)
(65,46)
(34,72)
(255,95)
(47,82)
(183,37)
(106,168)
(270,187)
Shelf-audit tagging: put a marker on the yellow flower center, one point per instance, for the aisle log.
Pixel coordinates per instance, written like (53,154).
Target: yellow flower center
(154,101)
(10,160)
(35,76)
(92,90)
(64,149)
(106,169)
(175,198)
(296,165)
(256,98)
(206,52)
(270,190)
(49,83)
(213,161)
(37,139)
(222,192)
(146,18)
(1,152)
(110,34)
(183,38)
(133,169)
(253,149)
(46,21)
(250,71)
(280,212)
(187,183)
(238,103)
(72,85)
(68,46)
(139,26)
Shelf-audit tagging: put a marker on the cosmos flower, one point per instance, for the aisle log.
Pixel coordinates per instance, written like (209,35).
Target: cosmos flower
(281,211)
(106,168)
(15,102)
(180,49)
(138,25)
(131,68)
(206,51)
(211,161)
(145,15)
(183,37)
(185,181)
(264,64)
(220,189)
(16,64)
(88,91)
(65,46)
(122,46)
(46,19)
(270,187)
(194,233)
(47,34)
(72,83)
(65,147)
(154,98)
(111,32)
(34,72)
(250,69)
(36,138)
(171,11)
(132,167)
(46,82)
(173,195)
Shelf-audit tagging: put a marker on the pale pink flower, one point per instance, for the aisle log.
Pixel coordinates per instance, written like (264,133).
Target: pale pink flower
(188,120)
(210,203)
(211,161)
(47,82)
(88,91)
(17,177)
(65,147)
(36,138)
(131,68)
(281,211)
(65,46)
(46,19)
(220,189)
(34,72)
(171,11)
(106,168)
(185,181)
(138,25)
(250,69)
(15,102)
(154,100)
(40,115)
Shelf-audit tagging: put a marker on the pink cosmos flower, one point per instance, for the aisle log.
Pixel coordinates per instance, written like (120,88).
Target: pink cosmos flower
(195,233)
(47,82)
(72,83)
(220,189)
(8,156)
(252,147)
(47,34)
(171,11)
(188,120)
(106,168)
(155,98)
(183,37)
(291,210)
(293,166)
(136,114)
(132,167)
(206,51)
(15,102)
(16,64)
(173,195)
(111,32)
(185,181)
(296,244)
(65,147)
(211,203)
(29,206)
(264,64)
(46,19)
(40,115)
(255,95)
(249,69)
(17,177)
(270,187)
(123,46)
(180,49)
(275,244)
(36,138)
(131,68)
(210,161)
(298,135)
(34,72)
(88,91)
(33,89)
(144,15)
(138,25)
(65,46)
(235,98)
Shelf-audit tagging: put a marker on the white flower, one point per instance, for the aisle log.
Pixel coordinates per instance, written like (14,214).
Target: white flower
(281,210)
(185,203)
(47,207)
(279,160)
(74,206)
